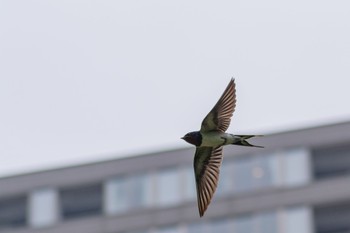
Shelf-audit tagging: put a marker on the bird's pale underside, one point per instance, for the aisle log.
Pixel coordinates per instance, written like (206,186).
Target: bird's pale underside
(209,142)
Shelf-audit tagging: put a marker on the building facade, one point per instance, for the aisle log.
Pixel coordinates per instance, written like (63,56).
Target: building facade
(299,183)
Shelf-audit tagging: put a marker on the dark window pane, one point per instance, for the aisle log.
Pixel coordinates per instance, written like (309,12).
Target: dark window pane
(13,212)
(333,161)
(333,218)
(81,201)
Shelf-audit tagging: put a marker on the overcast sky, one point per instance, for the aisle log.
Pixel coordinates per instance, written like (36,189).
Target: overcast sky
(84,81)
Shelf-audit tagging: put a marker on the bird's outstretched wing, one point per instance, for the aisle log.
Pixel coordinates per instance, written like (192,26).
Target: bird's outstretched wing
(207,161)
(219,117)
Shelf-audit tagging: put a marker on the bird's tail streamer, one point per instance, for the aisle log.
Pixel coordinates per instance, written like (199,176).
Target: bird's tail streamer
(243,140)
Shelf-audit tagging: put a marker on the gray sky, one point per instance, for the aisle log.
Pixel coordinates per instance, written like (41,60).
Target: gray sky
(86,80)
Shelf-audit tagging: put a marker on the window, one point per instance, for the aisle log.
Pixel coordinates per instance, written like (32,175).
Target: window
(225,181)
(289,220)
(220,225)
(266,223)
(13,212)
(140,191)
(275,169)
(125,193)
(254,172)
(297,220)
(172,229)
(332,218)
(243,224)
(81,201)
(190,184)
(263,172)
(292,220)
(296,160)
(137,232)
(43,207)
(168,187)
(117,195)
(257,223)
(198,227)
(242,174)
(214,226)
(331,161)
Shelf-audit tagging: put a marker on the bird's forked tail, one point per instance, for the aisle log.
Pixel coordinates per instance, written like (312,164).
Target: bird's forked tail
(242,140)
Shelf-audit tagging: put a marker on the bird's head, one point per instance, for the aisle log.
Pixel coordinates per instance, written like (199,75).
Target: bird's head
(194,138)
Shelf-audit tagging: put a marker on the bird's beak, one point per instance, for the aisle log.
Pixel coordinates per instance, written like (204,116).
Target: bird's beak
(183,138)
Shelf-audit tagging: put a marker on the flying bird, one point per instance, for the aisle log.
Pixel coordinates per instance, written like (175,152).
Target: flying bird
(209,141)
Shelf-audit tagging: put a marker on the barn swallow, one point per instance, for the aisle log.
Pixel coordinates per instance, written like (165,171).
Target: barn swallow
(209,141)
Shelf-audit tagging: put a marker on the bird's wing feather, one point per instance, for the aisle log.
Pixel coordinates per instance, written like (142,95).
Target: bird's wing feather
(207,161)
(219,117)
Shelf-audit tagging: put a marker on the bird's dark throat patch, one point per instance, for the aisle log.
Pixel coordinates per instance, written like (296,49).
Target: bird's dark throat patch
(194,138)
